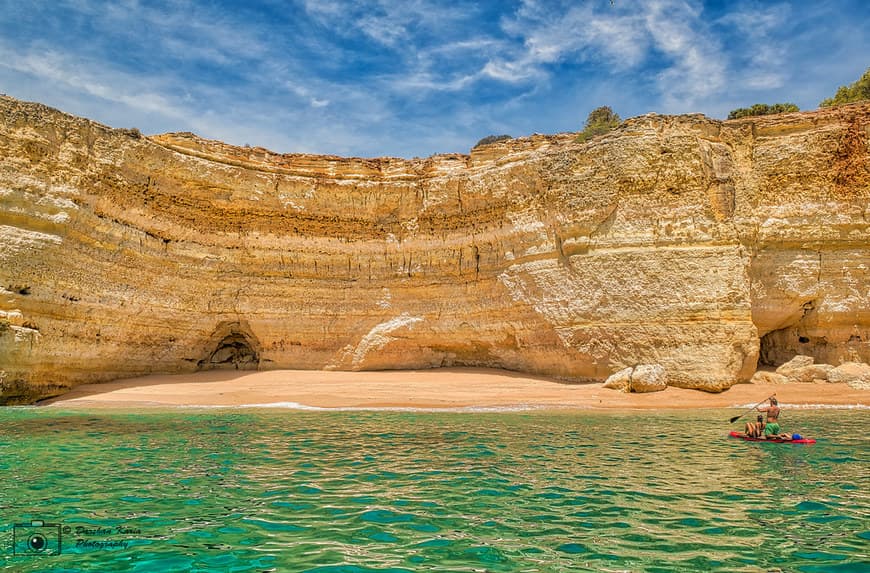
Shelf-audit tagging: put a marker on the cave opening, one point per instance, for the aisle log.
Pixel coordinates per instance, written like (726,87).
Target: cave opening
(235,348)
(772,351)
(780,346)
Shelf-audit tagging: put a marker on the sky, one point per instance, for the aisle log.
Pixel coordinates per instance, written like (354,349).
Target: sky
(414,78)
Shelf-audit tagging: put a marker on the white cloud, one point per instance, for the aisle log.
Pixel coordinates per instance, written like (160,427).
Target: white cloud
(622,38)
(517,71)
(111,85)
(428,82)
(581,32)
(305,93)
(385,30)
(325,8)
(434,47)
(697,67)
(761,58)
(186,30)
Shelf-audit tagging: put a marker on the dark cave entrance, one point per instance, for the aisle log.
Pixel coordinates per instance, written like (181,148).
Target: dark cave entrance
(234,347)
(780,346)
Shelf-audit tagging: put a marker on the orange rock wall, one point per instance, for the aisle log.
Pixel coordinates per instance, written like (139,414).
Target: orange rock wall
(681,241)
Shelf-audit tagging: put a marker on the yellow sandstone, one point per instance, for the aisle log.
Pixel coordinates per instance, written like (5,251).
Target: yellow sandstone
(692,247)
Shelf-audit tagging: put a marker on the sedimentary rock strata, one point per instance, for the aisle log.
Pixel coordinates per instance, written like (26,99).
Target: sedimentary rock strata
(696,245)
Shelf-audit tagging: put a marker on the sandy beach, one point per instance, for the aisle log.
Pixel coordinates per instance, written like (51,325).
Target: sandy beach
(427,389)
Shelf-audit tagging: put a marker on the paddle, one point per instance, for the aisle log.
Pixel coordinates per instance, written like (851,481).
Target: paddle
(735,418)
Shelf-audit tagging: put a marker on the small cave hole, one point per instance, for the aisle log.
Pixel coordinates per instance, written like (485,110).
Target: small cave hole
(233,352)
(803,339)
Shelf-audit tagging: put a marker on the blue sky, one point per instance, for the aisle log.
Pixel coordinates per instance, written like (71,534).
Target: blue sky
(413,78)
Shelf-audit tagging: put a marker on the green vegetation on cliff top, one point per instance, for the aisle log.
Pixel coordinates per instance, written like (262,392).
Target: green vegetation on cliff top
(601,120)
(762,109)
(858,91)
(492,139)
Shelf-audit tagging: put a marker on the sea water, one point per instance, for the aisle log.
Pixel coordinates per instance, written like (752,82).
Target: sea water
(219,490)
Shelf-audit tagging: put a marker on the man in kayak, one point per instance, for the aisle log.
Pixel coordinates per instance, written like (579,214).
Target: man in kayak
(771,428)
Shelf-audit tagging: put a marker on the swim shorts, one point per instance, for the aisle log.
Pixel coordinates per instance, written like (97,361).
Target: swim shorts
(771,429)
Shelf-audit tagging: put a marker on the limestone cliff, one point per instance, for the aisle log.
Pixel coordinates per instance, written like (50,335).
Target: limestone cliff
(690,243)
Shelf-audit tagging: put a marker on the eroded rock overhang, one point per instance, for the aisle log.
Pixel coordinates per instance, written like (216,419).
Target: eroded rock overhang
(686,242)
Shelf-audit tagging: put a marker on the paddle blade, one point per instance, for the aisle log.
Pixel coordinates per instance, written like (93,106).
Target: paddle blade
(734,419)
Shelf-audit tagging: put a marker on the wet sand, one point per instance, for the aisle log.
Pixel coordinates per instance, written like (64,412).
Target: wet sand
(458,388)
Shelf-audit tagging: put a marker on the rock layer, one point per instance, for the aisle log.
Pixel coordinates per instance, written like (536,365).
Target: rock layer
(694,244)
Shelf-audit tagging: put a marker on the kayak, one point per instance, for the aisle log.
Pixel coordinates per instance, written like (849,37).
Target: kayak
(772,440)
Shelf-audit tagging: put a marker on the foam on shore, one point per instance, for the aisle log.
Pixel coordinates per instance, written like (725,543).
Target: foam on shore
(786,406)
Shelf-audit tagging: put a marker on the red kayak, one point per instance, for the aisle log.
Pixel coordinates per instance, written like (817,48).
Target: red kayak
(772,440)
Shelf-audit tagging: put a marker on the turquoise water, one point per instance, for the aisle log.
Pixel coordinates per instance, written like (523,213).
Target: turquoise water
(285,490)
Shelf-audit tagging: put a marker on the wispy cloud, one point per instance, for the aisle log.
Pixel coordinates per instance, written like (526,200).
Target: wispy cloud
(111,85)
(184,30)
(622,39)
(762,66)
(388,21)
(554,32)
(696,64)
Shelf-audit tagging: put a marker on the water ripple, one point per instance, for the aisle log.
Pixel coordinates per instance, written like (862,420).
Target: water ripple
(232,490)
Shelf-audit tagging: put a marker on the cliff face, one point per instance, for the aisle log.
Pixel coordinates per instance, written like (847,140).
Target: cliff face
(698,245)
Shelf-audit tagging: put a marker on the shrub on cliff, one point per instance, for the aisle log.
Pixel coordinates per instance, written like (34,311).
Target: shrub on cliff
(601,120)
(491,139)
(859,91)
(762,109)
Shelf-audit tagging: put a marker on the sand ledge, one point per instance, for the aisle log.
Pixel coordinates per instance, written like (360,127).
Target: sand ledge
(447,389)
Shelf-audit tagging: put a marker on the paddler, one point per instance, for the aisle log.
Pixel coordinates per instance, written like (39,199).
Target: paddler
(771,428)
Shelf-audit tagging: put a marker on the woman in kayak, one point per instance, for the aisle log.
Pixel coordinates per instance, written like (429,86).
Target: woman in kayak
(754,429)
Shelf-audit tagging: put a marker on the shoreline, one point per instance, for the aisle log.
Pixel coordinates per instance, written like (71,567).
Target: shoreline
(453,389)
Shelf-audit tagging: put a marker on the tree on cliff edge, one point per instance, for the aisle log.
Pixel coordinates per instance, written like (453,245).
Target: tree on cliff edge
(492,139)
(859,91)
(601,120)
